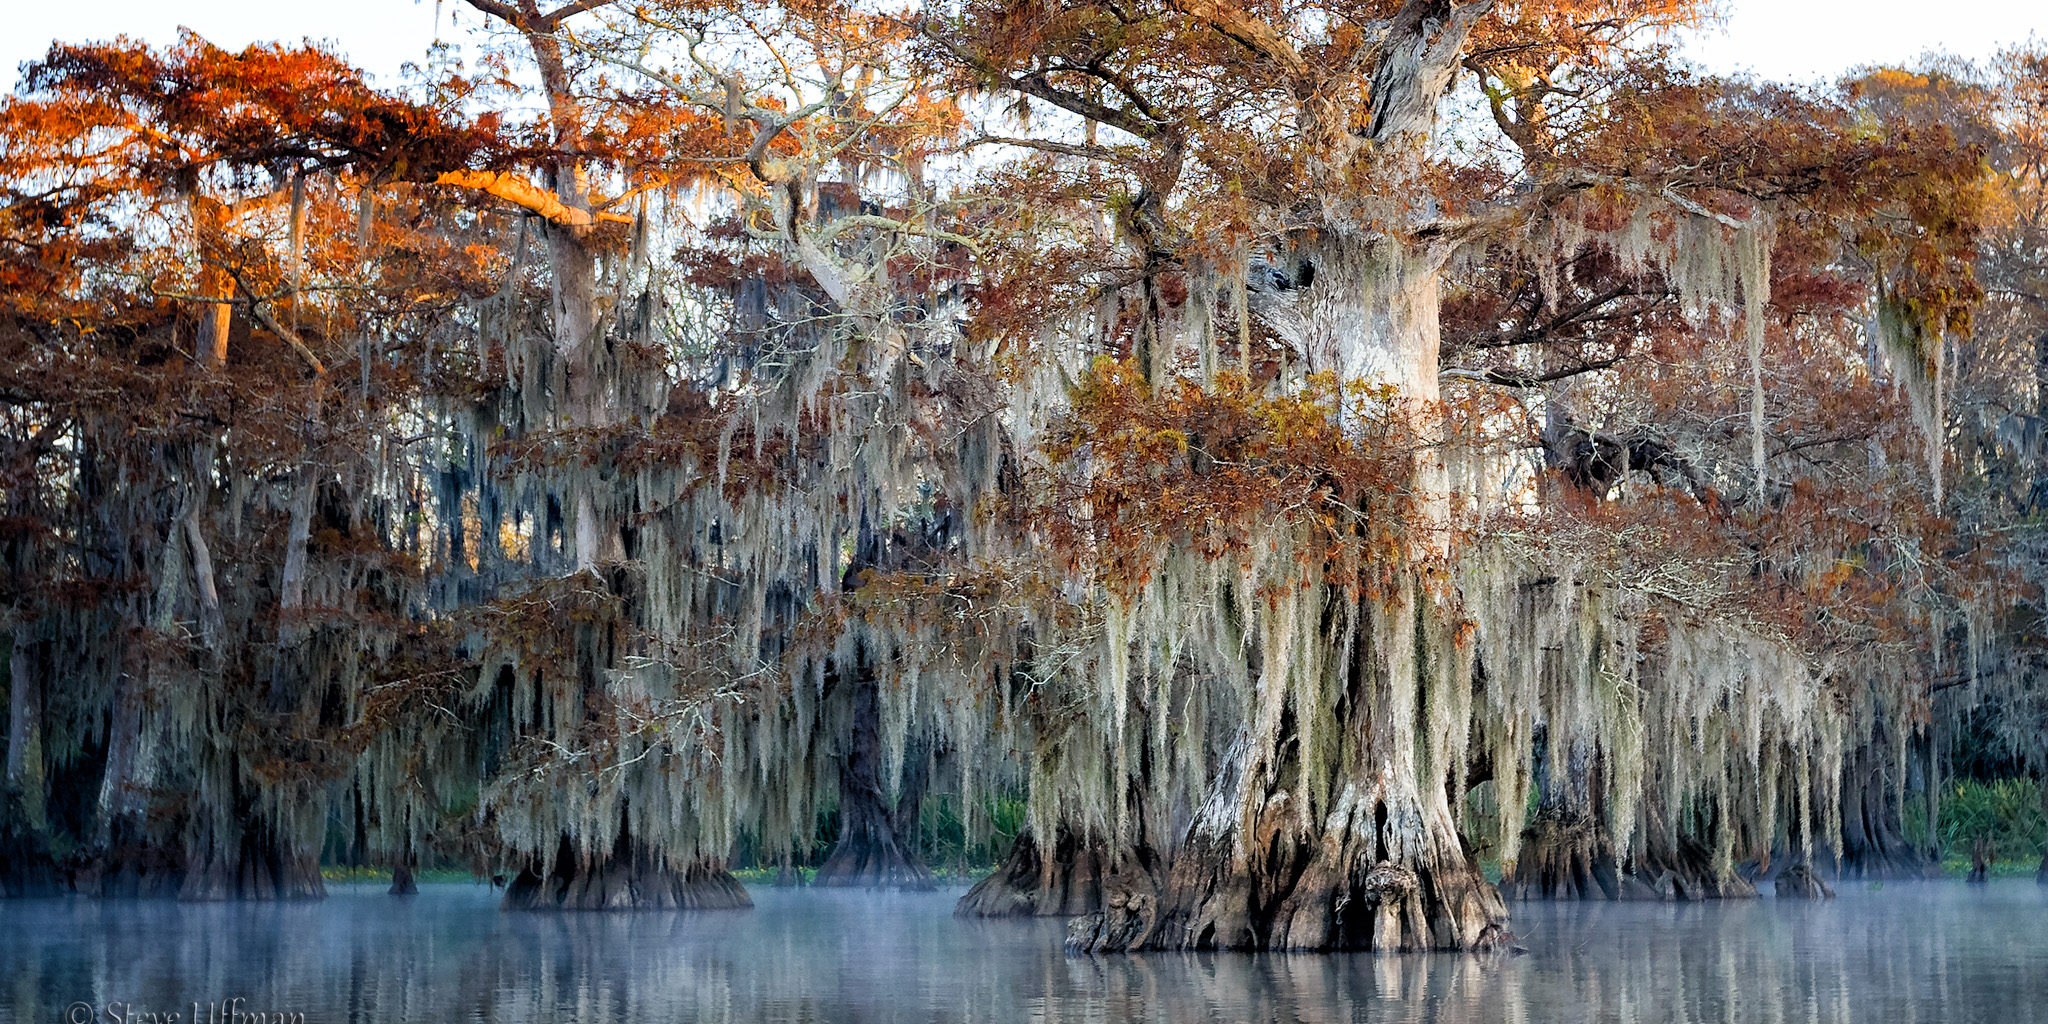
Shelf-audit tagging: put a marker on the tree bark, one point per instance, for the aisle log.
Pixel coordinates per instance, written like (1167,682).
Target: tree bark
(1982,854)
(24,714)
(1566,851)
(1370,856)
(1800,882)
(202,554)
(1680,866)
(216,318)
(877,845)
(1378,865)
(594,536)
(1385,871)
(633,877)
(1873,843)
(256,864)
(402,883)
(25,865)
(291,584)
(1930,777)
(1033,881)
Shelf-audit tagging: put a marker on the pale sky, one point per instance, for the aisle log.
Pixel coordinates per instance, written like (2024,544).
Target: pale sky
(1797,40)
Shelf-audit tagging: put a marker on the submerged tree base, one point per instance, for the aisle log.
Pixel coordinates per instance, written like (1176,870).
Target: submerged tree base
(128,872)
(1385,872)
(219,878)
(1800,882)
(1067,883)
(137,864)
(1564,860)
(631,879)
(1687,873)
(1209,903)
(1873,842)
(1569,860)
(857,864)
(1889,865)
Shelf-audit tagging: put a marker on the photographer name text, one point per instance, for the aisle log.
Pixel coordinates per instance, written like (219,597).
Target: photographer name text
(223,1011)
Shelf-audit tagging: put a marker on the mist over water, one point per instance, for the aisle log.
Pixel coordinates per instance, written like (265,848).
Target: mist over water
(1899,953)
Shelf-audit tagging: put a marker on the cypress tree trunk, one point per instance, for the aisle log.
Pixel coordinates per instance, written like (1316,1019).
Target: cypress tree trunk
(1566,851)
(130,860)
(1065,880)
(1930,778)
(24,718)
(25,865)
(877,845)
(402,883)
(1873,843)
(1676,864)
(250,861)
(633,877)
(1372,861)
(1799,880)
(1328,825)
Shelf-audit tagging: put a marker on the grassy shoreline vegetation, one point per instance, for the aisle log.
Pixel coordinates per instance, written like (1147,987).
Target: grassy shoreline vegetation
(2006,813)
(347,875)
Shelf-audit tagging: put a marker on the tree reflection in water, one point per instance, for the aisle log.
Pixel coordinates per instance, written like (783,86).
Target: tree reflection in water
(1905,953)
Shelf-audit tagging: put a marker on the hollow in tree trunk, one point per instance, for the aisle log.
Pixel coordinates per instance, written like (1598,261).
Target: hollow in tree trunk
(632,877)
(877,845)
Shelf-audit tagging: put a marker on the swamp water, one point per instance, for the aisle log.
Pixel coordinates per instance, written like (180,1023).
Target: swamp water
(1899,953)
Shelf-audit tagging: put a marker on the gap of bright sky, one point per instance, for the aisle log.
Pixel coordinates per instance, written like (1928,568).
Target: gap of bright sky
(1786,40)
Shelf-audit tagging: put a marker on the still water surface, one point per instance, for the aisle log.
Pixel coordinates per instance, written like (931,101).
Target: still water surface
(1900,953)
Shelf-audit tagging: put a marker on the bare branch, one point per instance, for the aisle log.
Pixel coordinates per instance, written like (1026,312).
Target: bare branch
(839,224)
(1085,152)
(1523,379)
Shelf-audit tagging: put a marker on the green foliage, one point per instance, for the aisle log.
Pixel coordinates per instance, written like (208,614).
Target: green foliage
(948,845)
(344,874)
(763,875)
(2008,812)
